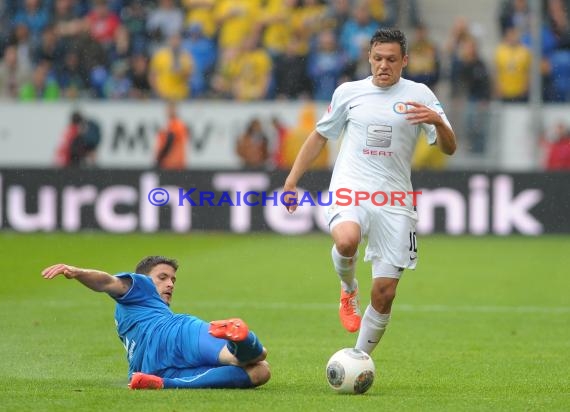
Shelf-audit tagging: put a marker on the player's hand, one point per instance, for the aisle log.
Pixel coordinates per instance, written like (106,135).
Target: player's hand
(60,269)
(419,113)
(290,197)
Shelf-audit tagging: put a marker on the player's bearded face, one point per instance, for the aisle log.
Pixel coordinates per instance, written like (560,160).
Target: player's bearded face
(164,277)
(386,63)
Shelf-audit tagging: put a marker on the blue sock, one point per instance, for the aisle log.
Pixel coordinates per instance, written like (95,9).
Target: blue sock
(246,350)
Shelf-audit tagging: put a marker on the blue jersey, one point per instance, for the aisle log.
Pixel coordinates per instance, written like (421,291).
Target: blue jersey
(154,337)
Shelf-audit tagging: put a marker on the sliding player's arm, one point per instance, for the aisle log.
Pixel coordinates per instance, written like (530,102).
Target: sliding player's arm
(94,279)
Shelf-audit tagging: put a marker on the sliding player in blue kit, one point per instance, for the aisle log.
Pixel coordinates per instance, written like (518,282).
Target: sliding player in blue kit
(169,350)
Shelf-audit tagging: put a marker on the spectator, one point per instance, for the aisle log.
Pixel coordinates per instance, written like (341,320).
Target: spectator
(41,86)
(102,24)
(68,24)
(306,22)
(557,13)
(474,77)
(423,61)
(514,13)
(512,62)
(235,20)
(290,73)
(359,69)
(253,146)
(35,17)
(134,18)
(204,53)
(251,77)
(226,67)
(201,12)
(394,12)
(164,22)
(71,76)
(275,24)
(558,67)
(558,156)
(358,29)
(79,143)
(138,73)
(12,74)
(326,66)
(336,15)
(459,33)
(172,142)
(49,49)
(118,85)
(171,68)
(20,37)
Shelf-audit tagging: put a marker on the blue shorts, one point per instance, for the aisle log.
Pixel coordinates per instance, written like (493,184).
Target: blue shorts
(188,346)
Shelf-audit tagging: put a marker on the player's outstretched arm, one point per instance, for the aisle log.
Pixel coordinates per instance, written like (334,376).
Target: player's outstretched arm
(94,279)
(306,156)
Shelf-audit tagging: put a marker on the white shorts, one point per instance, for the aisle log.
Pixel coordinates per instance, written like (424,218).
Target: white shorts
(392,244)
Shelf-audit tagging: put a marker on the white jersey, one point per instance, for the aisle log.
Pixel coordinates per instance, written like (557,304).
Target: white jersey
(378,141)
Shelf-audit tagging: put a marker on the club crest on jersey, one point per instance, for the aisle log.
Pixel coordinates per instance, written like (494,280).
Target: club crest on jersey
(400,107)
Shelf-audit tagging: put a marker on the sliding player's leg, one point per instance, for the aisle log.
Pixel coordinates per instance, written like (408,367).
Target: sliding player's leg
(212,377)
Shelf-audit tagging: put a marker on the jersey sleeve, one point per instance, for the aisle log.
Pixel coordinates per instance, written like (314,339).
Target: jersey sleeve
(433,103)
(140,291)
(333,121)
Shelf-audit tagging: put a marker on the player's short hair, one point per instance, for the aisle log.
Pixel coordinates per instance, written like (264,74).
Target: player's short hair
(148,263)
(390,36)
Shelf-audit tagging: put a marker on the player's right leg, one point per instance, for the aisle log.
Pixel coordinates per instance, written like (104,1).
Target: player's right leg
(346,232)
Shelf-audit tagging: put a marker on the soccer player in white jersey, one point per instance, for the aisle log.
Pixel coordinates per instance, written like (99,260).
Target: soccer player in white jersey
(380,119)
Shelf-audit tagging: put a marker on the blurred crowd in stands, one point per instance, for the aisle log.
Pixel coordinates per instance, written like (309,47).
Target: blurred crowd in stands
(235,49)
(258,49)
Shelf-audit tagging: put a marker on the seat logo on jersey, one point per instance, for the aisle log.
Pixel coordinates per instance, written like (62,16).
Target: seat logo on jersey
(400,107)
(379,135)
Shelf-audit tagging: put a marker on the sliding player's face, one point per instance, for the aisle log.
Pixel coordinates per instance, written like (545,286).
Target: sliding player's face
(164,277)
(386,63)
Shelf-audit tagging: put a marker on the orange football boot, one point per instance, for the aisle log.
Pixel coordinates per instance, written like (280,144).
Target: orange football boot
(233,329)
(349,310)
(141,380)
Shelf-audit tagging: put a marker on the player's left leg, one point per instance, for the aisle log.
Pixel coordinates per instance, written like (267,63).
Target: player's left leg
(199,343)
(212,377)
(242,344)
(377,314)
(391,239)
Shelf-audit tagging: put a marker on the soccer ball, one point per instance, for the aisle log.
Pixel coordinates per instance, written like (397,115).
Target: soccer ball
(350,371)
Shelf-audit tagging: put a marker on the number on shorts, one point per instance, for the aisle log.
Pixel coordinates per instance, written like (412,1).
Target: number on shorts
(413,244)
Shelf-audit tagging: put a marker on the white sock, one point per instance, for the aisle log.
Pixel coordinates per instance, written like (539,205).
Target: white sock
(345,267)
(371,329)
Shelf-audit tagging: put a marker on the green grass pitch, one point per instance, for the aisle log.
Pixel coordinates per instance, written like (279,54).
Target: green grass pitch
(483,324)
